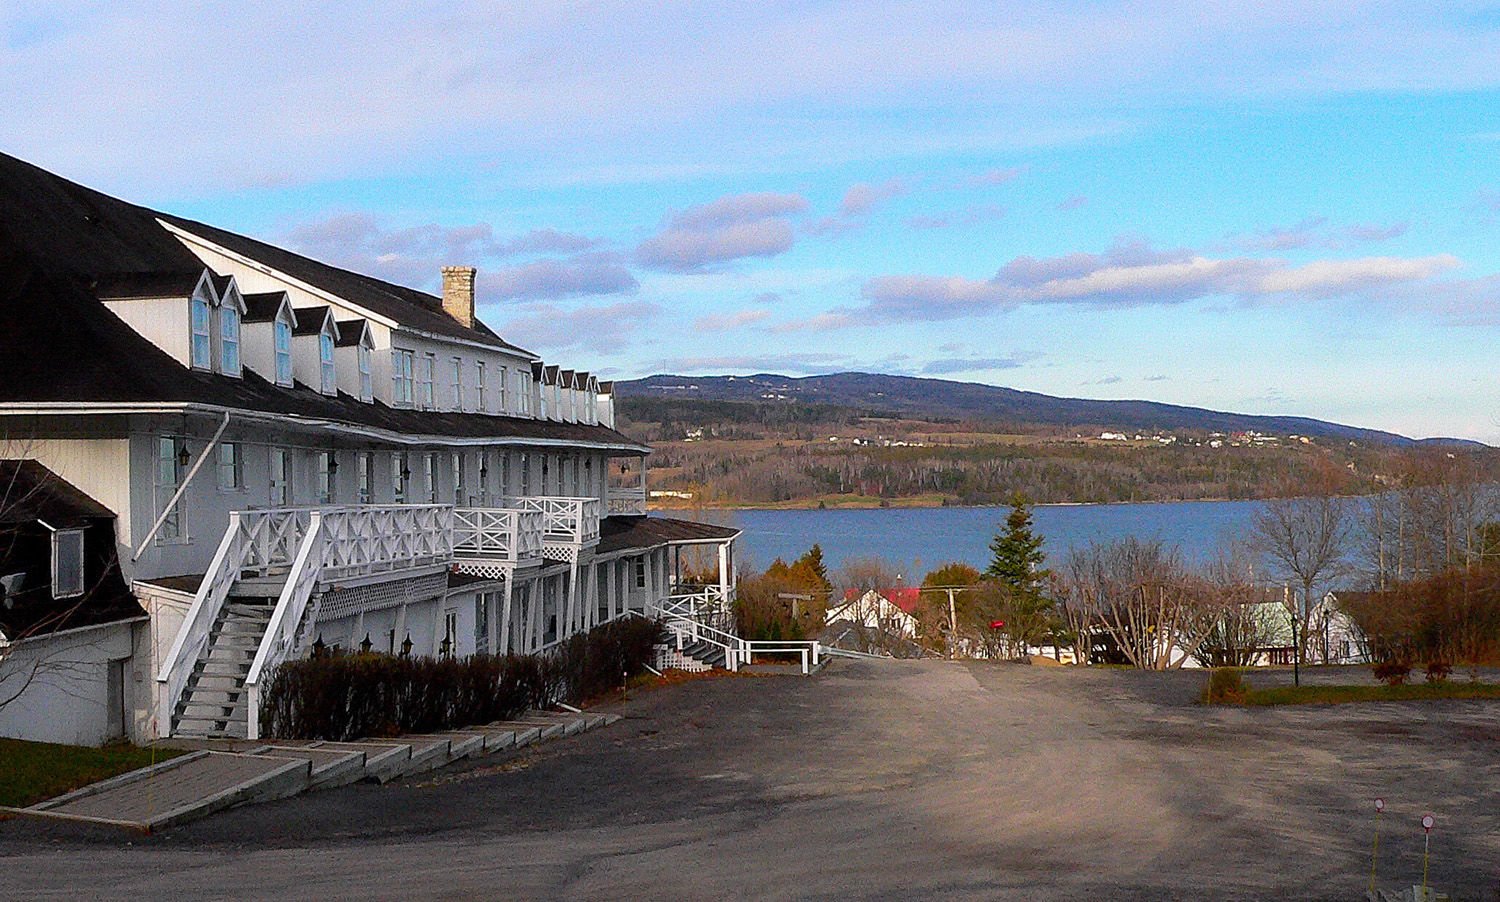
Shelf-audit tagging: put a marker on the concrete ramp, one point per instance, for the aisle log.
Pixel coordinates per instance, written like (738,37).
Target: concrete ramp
(222,773)
(185,788)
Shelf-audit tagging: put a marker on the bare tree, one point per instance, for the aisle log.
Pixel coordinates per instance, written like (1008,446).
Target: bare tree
(1305,541)
(1143,599)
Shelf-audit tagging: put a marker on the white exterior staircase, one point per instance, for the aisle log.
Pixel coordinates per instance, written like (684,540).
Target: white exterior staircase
(213,702)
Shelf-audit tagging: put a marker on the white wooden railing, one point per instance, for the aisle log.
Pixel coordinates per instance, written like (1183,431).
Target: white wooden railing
(625,502)
(284,629)
(496,533)
(573,521)
(339,542)
(262,542)
(366,539)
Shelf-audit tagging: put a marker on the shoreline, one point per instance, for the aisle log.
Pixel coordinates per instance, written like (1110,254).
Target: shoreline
(900,504)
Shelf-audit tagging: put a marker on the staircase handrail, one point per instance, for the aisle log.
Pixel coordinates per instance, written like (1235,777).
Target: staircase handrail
(197,627)
(280,640)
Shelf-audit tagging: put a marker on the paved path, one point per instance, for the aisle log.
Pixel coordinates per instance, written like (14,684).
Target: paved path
(902,780)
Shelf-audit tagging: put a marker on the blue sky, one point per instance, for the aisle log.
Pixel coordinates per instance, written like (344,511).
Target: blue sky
(1280,208)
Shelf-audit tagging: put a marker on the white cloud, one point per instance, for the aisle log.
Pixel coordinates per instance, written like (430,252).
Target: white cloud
(725,322)
(730,228)
(1132,274)
(580,276)
(1327,278)
(603,329)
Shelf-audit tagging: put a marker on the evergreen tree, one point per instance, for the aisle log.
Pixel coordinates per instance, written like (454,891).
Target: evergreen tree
(1018,555)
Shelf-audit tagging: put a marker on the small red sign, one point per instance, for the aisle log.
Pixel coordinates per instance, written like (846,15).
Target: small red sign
(997,624)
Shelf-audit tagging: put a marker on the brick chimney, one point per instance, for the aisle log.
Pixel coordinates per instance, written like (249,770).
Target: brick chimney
(458,293)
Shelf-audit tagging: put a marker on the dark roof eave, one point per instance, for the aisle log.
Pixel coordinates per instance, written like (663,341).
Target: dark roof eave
(384,433)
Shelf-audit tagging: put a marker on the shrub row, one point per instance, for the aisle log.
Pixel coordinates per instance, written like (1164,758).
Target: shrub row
(349,696)
(1452,619)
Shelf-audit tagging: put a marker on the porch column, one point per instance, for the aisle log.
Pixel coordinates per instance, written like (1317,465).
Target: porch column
(611,590)
(503,645)
(534,628)
(574,615)
(724,578)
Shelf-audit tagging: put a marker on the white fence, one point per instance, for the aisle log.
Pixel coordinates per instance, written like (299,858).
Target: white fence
(569,521)
(492,533)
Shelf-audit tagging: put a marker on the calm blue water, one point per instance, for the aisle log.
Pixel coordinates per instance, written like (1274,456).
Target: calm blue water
(917,540)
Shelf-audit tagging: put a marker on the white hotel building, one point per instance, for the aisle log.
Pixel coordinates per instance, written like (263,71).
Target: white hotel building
(291,453)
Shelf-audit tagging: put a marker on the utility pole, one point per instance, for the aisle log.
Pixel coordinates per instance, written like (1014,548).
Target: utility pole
(952,622)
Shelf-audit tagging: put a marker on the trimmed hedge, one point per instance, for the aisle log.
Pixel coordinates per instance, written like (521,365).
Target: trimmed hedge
(350,696)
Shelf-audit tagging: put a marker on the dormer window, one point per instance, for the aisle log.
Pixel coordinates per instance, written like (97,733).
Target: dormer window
(202,334)
(315,338)
(366,376)
(229,340)
(284,352)
(325,359)
(67,563)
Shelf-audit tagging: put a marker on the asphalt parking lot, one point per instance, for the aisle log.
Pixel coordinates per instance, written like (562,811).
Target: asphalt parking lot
(870,780)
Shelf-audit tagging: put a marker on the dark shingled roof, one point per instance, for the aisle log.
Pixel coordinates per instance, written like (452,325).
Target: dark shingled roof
(309,320)
(620,533)
(34,501)
(351,331)
(407,306)
(30,491)
(263,306)
(65,228)
(60,344)
(132,285)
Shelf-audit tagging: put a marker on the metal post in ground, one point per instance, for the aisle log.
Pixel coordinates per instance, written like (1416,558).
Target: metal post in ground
(1375,851)
(1427,822)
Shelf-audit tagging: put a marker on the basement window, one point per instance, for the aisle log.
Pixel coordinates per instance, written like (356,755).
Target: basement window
(67,563)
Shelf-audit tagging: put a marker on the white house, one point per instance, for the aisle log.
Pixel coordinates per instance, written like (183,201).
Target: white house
(293,452)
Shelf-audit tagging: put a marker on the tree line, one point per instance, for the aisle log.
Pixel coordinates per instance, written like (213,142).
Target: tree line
(1414,569)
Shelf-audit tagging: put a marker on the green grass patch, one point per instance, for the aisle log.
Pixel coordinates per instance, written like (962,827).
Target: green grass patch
(1333,695)
(33,771)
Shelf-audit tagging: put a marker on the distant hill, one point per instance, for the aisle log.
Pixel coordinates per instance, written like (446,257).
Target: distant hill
(929,399)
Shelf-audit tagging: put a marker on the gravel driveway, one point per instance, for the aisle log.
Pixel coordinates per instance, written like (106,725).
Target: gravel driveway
(870,780)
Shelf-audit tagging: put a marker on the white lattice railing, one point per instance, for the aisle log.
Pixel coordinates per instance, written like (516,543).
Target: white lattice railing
(284,629)
(260,542)
(379,538)
(622,502)
(572,521)
(494,533)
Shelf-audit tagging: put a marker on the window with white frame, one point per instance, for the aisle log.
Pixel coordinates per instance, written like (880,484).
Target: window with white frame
(458,383)
(504,473)
(592,409)
(229,340)
(283,333)
(170,453)
(430,474)
(482,603)
(640,573)
(459,489)
(202,318)
(484,478)
(525,475)
(280,477)
(479,398)
(365,467)
(326,467)
(366,376)
(523,393)
(67,563)
(400,477)
(500,391)
(403,364)
(425,366)
(230,467)
(325,361)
